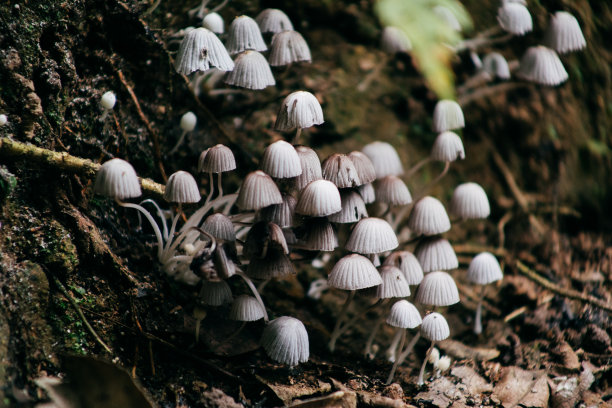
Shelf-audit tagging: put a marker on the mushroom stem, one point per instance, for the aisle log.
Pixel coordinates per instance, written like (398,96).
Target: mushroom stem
(402,357)
(212,189)
(358,316)
(400,334)
(179,211)
(417,167)
(160,214)
(181,139)
(219,185)
(435,181)
(336,333)
(148,216)
(421,381)
(392,351)
(478,317)
(298,132)
(251,286)
(368,347)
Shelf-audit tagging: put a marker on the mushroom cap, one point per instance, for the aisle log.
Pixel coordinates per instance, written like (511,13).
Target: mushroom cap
(564,33)
(258,191)
(220,226)
(246,308)
(385,159)
(354,272)
(341,171)
(319,198)
(182,188)
(372,236)
(428,217)
(514,18)
(393,284)
(217,159)
(437,289)
(251,71)
(281,160)
(408,264)
(215,293)
(299,109)
(214,22)
(311,167)
(447,116)
(201,50)
(470,202)
(366,191)
(436,254)
(496,66)
(542,66)
(286,341)
(353,208)
(392,190)
(117,179)
(448,147)
(273,20)
(280,214)
(188,121)
(484,269)
(365,169)
(274,265)
(435,327)
(319,235)
(108,100)
(394,40)
(288,47)
(404,314)
(244,34)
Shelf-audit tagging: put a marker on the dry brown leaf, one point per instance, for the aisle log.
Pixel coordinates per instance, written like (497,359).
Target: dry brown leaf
(472,380)
(461,351)
(521,387)
(289,392)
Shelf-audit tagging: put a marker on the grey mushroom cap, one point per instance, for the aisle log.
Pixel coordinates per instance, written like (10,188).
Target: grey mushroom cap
(364,166)
(484,269)
(437,289)
(392,190)
(251,71)
(394,40)
(258,191)
(287,48)
(448,115)
(281,160)
(214,22)
(405,315)
(514,18)
(285,340)
(496,66)
(244,34)
(385,159)
(341,171)
(280,214)
(311,167)
(217,159)
(372,236)
(353,208)
(117,179)
(542,65)
(220,226)
(182,188)
(448,147)
(246,308)
(564,34)
(408,264)
(299,110)
(366,191)
(435,327)
(273,20)
(394,284)
(201,50)
(215,293)
(470,202)
(319,198)
(319,235)
(436,254)
(428,217)
(354,272)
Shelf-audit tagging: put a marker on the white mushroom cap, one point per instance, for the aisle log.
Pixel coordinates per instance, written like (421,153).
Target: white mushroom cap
(117,179)
(217,159)
(428,217)
(319,235)
(280,214)
(448,147)
(341,171)
(408,264)
(182,188)
(319,198)
(437,289)
(258,191)
(3,119)
(436,254)
(394,40)
(285,340)
(393,191)
(251,71)
(246,308)
(108,100)
(311,167)
(514,18)
(385,159)
(470,202)
(404,314)
(353,208)
(542,66)
(447,116)
(219,226)
(393,283)
(244,34)
(188,121)
(366,191)
(365,169)
(564,33)
(435,327)
(354,272)
(214,22)
(372,236)
(215,293)
(273,21)
(288,47)
(281,160)
(201,50)
(299,109)
(484,269)
(448,17)
(496,66)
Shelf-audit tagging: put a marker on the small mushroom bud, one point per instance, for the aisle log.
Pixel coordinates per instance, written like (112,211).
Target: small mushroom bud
(3,119)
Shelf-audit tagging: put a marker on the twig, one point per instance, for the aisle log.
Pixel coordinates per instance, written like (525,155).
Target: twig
(76,307)
(568,293)
(154,136)
(476,249)
(13,150)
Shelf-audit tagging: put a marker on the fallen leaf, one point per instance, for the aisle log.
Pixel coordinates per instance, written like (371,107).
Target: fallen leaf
(472,380)
(461,351)
(521,387)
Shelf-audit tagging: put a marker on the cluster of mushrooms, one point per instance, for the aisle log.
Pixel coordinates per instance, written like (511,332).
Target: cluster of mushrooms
(296,203)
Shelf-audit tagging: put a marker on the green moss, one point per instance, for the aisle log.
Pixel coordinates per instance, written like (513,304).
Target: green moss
(8,182)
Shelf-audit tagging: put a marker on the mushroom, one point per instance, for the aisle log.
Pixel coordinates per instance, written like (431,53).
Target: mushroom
(216,160)
(447,116)
(299,110)
(273,20)
(201,50)
(285,340)
(311,167)
(428,217)
(385,159)
(251,71)
(434,328)
(107,102)
(436,254)
(258,191)
(394,40)
(214,22)
(244,34)
(470,202)
(403,315)
(483,269)
(288,47)
(514,18)
(564,34)
(188,124)
(281,160)
(542,66)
